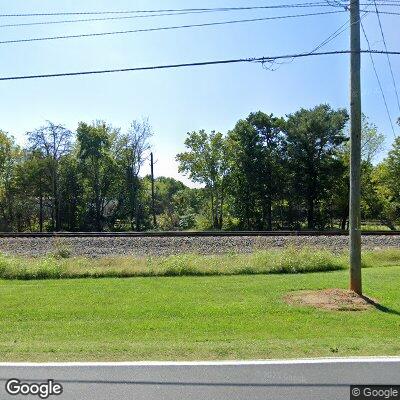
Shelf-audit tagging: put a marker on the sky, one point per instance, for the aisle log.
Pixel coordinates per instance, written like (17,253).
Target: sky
(183,100)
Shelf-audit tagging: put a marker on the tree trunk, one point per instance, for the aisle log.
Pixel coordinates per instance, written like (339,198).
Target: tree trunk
(220,221)
(135,204)
(290,214)
(41,213)
(269,214)
(97,201)
(344,218)
(56,204)
(310,214)
(98,216)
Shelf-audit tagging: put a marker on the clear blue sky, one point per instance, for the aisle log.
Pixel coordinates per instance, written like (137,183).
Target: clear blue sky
(178,101)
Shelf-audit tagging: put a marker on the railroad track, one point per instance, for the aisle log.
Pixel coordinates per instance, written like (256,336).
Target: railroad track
(188,234)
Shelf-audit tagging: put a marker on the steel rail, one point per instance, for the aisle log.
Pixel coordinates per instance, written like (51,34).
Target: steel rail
(189,234)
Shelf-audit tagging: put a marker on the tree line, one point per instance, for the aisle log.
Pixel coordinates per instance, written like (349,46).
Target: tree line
(291,173)
(267,173)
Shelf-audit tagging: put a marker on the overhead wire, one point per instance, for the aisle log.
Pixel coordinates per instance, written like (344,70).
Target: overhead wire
(332,36)
(120,18)
(378,79)
(277,6)
(342,29)
(167,28)
(273,6)
(173,13)
(124,17)
(194,64)
(388,58)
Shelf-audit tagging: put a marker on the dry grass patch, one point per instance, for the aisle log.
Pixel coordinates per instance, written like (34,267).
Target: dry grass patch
(273,261)
(330,299)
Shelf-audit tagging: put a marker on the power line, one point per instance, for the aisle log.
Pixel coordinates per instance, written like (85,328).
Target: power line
(377,78)
(319,46)
(128,17)
(102,19)
(278,6)
(388,58)
(194,64)
(333,35)
(135,17)
(330,38)
(124,18)
(343,28)
(388,1)
(388,12)
(168,27)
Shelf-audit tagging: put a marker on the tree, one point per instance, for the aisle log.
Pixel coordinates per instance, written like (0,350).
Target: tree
(53,141)
(313,140)
(72,192)
(176,205)
(372,142)
(33,177)
(133,149)
(371,145)
(386,197)
(255,154)
(10,156)
(390,178)
(98,169)
(188,206)
(206,162)
(246,161)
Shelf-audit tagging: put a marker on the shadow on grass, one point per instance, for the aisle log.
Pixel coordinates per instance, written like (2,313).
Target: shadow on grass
(381,307)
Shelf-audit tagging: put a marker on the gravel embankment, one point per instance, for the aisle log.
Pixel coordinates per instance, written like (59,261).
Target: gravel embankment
(156,246)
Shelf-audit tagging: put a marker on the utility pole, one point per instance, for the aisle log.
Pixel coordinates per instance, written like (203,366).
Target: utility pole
(355,145)
(152,190)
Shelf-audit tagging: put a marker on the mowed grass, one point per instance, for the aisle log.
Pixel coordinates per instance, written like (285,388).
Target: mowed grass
(191,318)
(275,261)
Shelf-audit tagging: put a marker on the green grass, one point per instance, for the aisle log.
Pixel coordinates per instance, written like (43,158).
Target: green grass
(189,318)
(279,261)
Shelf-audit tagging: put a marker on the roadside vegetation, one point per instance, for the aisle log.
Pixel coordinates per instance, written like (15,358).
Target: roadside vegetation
(265,173)
(277,261)
(192,318)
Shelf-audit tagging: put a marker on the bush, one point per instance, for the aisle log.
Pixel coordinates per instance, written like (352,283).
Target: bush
(62,251)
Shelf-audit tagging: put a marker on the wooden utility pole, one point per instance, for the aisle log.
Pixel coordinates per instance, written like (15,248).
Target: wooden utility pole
(355,144)
(152,191)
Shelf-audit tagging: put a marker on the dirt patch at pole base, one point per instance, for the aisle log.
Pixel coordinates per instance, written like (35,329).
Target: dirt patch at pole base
(330,299)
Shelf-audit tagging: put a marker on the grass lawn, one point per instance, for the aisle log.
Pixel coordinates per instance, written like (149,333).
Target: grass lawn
(189,318)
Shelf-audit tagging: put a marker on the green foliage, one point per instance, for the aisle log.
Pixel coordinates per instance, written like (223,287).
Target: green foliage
(266,173)
(313,140)
(255,146)
(206,162)
(387,177)
(131,151)
(62,251)
(15,208)
(49,144)
(97,169)
(61,264)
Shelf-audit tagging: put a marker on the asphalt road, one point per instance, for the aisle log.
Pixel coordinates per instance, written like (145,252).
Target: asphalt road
(297,380)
